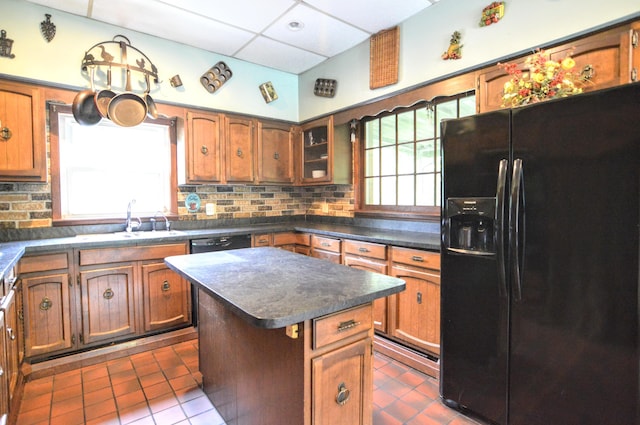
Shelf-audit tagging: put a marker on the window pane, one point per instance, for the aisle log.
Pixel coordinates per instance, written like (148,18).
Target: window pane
(405,127)
(373,191)
(388,190)
(372,134)
(388,130)
(438,161)
(467,106)
(388,165)
(406,190)
(426,157)
(406,159)
(372,166)
(425,190)
(424,124)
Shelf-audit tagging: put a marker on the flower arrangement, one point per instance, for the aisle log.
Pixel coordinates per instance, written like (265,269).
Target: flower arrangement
(546,79)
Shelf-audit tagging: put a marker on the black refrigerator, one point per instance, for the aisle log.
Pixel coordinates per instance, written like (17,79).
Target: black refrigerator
(540,273)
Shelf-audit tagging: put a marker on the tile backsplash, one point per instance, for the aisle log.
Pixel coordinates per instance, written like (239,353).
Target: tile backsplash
(28,205)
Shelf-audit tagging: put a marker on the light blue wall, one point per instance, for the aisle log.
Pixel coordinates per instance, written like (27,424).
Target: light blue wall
(527,24)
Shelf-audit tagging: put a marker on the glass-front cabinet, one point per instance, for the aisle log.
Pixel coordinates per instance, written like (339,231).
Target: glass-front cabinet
(317,151)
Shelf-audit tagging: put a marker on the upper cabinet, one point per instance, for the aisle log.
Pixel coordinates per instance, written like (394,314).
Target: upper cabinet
(22,134)
(633,43)
(325,153)
(275,153)
(239,144)
(204,163)
(601,59)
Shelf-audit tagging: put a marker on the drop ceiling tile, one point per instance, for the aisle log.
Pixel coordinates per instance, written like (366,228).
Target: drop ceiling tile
(252,15)
(76,7)
(183,27)
(321,33)
(371,15)
(274,54)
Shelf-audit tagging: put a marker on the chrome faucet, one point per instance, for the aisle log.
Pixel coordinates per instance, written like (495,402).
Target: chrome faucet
(167,223)
(129,223)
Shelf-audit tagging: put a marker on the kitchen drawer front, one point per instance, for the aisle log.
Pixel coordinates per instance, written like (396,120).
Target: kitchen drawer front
(326,244)
(366,249)
(261,239)
(286,238)
(303,239)
(44,262)
(334,257)
(341,325)
(134,253)
(415,257)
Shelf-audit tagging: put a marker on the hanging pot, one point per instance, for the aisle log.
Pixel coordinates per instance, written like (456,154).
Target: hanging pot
(103,97)
(127,109)
(152,109)
(84,107)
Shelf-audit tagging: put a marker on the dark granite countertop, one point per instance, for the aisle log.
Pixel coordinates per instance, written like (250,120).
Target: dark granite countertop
(273,288)
(11,252)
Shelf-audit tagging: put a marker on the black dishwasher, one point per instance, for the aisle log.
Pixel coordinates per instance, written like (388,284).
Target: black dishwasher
(220,243)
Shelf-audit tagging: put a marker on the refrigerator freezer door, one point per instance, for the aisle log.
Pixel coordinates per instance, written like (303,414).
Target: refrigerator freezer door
(574,333)
(473,368)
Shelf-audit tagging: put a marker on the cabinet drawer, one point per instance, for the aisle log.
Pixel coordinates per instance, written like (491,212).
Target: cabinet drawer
(334,257)
(133,253)
(326,244)
(286,238)
(261,239)
(341,325)
(39,263)
(366,249)
(416,257)
(303,239)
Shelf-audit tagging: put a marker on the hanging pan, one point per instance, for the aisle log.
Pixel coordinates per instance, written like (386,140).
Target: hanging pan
(152,109)
(84,107)
(127,109)
(103,97)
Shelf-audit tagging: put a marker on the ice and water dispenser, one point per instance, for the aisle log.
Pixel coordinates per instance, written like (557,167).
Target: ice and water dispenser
(470,225)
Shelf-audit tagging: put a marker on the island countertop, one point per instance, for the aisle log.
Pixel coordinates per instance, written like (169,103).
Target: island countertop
(273,288)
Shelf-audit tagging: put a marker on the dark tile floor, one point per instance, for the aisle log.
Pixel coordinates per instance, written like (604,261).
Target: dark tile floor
(162,387)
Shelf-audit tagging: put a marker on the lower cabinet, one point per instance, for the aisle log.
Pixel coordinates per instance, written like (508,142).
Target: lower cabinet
(414,316)
(166,297)
(326,248)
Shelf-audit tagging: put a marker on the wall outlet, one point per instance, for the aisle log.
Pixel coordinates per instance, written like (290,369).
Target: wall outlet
(325,207)
(210,209)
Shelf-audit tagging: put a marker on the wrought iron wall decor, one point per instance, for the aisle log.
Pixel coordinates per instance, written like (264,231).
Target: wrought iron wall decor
(5,46)
(48,28)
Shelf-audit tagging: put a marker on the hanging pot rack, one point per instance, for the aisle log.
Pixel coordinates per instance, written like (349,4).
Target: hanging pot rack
(102,57)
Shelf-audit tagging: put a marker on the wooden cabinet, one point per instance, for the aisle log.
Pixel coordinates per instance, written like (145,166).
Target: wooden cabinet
(239,138)
(204,159)
(275,153)
(22,133)
(326,248)
(261,239)
(4,383)
(325,153)
(285,240)
(48,301)
(371,257)
(108,303)
(415,313)
(166,297)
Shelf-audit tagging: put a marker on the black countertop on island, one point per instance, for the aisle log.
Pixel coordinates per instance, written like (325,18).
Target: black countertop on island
(273,288)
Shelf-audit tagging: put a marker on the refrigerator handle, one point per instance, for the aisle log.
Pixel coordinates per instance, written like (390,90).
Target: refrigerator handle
(499,233)
(516,226)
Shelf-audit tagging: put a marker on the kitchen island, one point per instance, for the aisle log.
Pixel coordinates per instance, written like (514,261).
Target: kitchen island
(285,338)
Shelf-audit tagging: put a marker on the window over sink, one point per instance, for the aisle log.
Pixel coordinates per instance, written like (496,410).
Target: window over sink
(97,170)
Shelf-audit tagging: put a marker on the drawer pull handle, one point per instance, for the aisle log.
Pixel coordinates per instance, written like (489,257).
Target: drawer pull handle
(204,149)
(417,258)
(107,294)
(363,250)
(11,333)
(45,304)
(343,394)
(343,326)
(419,298)
(325,244)
(166,286)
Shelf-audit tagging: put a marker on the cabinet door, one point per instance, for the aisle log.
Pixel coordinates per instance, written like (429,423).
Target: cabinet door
(11,340)
(317,151)
(275,153)
(379,305)
(4,381)
(416,310)
(342,385)
(166,297)
(204,163)
(47,314)
(633,44)
(239,152)
(108,308)
(22,137)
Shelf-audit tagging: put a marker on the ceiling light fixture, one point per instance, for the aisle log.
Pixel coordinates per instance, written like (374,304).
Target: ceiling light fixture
(295,25)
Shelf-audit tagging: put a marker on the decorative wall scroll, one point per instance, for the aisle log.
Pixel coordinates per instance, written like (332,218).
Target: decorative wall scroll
(48,28)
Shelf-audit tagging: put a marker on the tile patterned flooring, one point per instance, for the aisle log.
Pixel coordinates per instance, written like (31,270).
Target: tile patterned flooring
(162,386)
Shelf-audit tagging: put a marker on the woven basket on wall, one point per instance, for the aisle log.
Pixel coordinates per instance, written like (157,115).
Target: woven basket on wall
(383,59)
